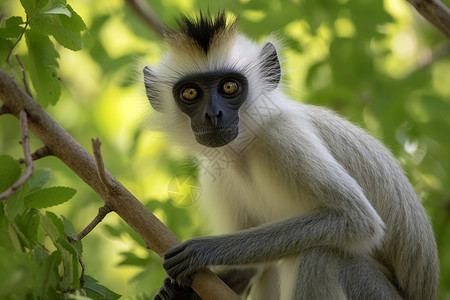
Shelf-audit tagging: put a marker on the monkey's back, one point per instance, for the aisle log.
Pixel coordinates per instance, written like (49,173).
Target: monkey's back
(409,250)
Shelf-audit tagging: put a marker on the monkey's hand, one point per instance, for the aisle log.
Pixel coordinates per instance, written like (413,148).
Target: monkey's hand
(181,261)
(172,291)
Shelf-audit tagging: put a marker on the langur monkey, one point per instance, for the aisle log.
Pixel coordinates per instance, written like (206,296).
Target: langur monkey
(306,205)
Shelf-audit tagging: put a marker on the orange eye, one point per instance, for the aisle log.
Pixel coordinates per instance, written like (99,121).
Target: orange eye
(230,87)
(190,93)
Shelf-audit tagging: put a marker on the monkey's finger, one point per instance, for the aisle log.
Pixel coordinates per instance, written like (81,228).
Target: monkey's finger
(175,269)
(162,295)
(181,273)
(168,290)
(174,251)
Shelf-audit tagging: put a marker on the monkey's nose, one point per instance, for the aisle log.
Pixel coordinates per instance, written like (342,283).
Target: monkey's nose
(214,117)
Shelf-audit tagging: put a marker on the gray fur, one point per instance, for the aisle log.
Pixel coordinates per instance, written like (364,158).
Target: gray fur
(320,207)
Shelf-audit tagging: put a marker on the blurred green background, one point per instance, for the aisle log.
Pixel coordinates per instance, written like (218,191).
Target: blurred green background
(376,62)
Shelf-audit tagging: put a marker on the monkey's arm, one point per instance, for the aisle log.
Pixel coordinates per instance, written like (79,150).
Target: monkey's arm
(345,219)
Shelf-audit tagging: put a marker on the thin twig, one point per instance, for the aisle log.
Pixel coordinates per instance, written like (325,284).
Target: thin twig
(39,153)
(4,110)
(18,39)
(11,68)
(96,144)
(24,76)
(147,14)
(28,160)
(80,260)
(102,212)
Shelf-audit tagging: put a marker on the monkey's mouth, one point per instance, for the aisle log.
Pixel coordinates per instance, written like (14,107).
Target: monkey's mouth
(216,137)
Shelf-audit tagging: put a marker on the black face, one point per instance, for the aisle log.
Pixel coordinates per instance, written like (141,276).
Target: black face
(212,101)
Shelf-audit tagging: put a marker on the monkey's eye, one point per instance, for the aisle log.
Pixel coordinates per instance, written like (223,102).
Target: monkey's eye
(189,93)
(230,87)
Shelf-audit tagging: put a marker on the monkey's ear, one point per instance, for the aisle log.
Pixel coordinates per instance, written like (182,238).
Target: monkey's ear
(150,88)
(270,65)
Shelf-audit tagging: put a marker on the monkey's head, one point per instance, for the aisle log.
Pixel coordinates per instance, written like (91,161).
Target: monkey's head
(207,75)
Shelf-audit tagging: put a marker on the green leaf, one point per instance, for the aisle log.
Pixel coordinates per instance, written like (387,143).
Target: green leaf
(43,5)
(49,196)
(28,223)
(50,227)
(114,232)
(75,23)
(47,276)
(43,67)
(12,28)
(70,263)
(28,5)
(39,178)
(5,239)
(132,259)
(52,25)
(16,274)
(57,10)
(55,230)
(57,222)
(15,239)
(70,231)
(97,291)
(14,204)
(9,172)
(68,227)
(65,28)
(5,47)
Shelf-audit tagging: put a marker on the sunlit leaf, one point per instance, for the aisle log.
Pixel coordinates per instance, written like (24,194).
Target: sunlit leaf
(43,67)
(57,10)
(52,25)
(28,5)
(75,23)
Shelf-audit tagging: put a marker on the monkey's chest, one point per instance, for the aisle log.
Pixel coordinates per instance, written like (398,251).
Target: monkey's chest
(236,202)
(266,201)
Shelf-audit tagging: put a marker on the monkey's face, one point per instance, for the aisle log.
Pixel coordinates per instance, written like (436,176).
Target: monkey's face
(212,101)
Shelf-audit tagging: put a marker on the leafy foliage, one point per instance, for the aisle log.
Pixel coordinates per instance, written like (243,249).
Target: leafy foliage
(374,62)
(44,18)
(29,268)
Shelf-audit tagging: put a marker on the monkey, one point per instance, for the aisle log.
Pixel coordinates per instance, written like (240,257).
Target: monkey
(304,204)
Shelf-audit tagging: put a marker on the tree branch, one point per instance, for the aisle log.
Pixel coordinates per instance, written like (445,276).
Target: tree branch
(39,153)
(28,160)
(155,234)
(100,165)
(4,110)
(435,12)
(147,14)
(102,212)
